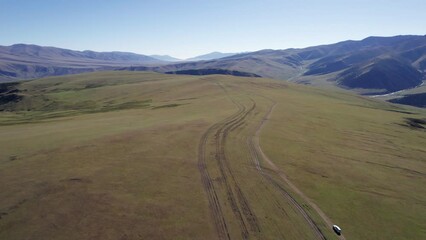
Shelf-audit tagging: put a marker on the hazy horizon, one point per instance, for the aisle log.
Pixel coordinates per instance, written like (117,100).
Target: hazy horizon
(190,28)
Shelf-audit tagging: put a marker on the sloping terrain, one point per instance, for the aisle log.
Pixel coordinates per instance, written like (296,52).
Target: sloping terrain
(130,155)
(389,74)
(416,99)
(373,65)
(266,63)
(21,61)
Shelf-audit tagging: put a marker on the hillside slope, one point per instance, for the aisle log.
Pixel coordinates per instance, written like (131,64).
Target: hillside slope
(129,155)
(22,61)
(375,65)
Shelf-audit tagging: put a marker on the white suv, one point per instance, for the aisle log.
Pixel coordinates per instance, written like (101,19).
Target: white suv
(337,230)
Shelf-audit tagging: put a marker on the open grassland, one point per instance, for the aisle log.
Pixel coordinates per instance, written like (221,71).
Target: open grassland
(355,159)
(128,155)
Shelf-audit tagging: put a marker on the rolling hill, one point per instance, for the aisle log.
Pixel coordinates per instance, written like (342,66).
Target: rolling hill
(22,61)
(142,155)
(375,65)
(415,99)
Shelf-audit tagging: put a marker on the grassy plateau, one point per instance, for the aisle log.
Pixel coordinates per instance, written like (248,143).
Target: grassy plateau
(139,155)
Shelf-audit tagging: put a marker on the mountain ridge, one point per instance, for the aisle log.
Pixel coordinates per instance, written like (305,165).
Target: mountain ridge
(373,66)
(166,58)
(210,56)
(27,61)
(337,64)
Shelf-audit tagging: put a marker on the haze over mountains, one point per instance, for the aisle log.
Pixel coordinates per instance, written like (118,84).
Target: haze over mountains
(208,56)
(21,61)
(24,61)
(166,58)
(375,65)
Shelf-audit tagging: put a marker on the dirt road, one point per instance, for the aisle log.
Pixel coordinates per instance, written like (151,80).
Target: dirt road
(257,154)
(223,190)
(217,135)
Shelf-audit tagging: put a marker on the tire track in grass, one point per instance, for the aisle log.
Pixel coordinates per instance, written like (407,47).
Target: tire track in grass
(239,204)
(230,192)
(231,184)
(257,154)
(214,203)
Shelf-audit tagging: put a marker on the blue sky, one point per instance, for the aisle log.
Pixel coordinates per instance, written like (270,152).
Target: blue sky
(185,28)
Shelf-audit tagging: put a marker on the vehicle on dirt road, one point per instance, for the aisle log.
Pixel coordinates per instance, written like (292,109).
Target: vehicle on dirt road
(337,230)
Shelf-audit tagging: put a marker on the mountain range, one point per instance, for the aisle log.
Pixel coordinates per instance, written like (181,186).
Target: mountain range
(374,65)
(22,61)
(208,56)
(166,58)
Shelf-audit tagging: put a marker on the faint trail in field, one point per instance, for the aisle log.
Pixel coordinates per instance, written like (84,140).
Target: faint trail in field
(234,195)
(230,182)
(228,196)
(214,203)
(216,210)
(257,154)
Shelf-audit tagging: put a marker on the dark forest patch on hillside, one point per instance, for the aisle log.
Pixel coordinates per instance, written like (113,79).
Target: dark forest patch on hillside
(214,71)
(9,93)
(415,123)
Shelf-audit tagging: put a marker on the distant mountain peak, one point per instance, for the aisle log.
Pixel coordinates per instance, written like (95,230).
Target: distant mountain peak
(210,56)
(166,58)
